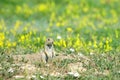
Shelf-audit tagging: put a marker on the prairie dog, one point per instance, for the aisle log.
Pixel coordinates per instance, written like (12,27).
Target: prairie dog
(48,52)
(45,55)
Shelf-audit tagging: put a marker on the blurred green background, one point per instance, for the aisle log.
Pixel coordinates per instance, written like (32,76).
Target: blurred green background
(75,25)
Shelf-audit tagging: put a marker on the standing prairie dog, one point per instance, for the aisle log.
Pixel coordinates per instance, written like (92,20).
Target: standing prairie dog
(48,52)
(45,55)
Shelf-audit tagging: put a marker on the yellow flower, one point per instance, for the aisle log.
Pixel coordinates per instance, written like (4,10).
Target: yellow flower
(18,9)
(17,24)
(1,44)
(58,24)
(101,44)
(90,43)
(69,29)
(8,44)
(22,38)
(2,36)
(63,43)
(55,43)
(107,41)
(95,44)
(108,47)
(14,44)
(42,7)
(38,39)
(85,9)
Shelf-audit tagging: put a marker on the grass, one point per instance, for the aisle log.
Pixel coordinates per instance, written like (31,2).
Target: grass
(83,27)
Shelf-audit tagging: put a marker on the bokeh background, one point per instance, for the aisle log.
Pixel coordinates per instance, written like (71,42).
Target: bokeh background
(75,25)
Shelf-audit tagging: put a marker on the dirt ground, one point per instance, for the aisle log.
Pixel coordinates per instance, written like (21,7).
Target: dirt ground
(61,65)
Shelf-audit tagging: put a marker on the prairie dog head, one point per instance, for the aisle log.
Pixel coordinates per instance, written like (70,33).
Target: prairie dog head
(49,43)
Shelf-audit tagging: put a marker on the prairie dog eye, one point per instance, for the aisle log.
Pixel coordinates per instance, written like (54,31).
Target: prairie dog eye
(48,39)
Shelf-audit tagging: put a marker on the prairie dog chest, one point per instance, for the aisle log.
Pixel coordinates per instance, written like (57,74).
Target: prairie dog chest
(49,53)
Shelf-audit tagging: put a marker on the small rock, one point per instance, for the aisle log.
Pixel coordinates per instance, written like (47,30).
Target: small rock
(118,72)
(72,50)
(11,70)
(18,76)
(75,74)
(31,77)
(42,77)
(91,53)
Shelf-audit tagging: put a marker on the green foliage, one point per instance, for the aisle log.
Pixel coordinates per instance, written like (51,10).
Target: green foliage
(87,26)
(7,69)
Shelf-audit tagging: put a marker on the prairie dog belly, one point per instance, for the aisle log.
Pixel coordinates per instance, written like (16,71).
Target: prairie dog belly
(50,53)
